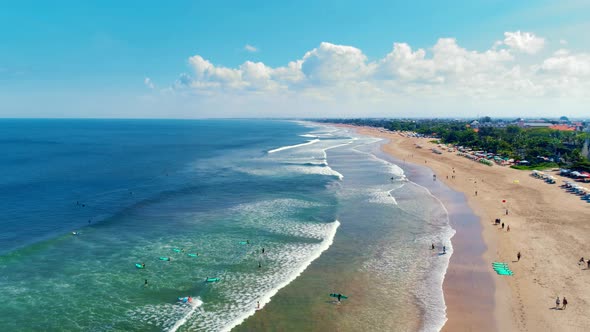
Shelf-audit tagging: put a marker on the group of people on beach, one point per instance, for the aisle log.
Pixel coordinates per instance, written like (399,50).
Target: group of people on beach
(444,248)
(498,221)
(564,302)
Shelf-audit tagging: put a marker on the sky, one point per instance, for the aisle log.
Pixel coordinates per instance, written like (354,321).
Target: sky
(204,59)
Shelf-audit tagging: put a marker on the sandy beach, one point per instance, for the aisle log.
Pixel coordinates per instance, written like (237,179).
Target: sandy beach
(547,225)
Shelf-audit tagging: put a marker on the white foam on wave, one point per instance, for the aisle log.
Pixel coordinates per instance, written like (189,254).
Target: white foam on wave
(266,297)
(430,294)
(382,197)
(290,169)
(309,135)
(258,215)
(195,304)
(167,316)
(320,170)
(288,147)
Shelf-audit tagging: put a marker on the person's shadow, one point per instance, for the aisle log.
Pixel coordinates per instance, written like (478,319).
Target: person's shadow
(555,308)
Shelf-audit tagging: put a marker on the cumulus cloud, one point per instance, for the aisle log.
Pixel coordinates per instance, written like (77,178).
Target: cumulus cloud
(524,42)
(148,82)
(564,64)
(341,76)
(250,48)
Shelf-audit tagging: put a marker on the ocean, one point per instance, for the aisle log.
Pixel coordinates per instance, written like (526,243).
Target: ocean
(84,201)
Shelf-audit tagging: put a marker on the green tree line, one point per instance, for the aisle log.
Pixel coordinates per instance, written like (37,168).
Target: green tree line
(511,141)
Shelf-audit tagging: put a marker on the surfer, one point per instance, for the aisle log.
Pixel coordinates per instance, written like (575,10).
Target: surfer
(143,266)
(444,249)
(339,297)
(432,248)
(259,265)
(247,241)
(190,299)
(145,283)
(263,250)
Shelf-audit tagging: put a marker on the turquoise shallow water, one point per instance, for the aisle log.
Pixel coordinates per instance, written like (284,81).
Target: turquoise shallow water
(135,190)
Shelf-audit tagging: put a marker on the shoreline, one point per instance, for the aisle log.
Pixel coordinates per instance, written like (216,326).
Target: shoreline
(548,226)
(467,265)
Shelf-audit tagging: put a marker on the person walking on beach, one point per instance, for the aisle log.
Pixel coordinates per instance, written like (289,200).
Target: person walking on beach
(508,228)
(502,225)
(444,249)
(257,304)
(581,261)
(564,303)
(557,303)
(589,264)
(506,211)
(518,257)
(476,193)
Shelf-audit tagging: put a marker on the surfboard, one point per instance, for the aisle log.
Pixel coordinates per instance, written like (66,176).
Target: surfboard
(139,266)
(343,297)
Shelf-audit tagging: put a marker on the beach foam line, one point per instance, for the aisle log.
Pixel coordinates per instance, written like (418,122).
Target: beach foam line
(293,146)
(195,304)
(435,316)
(265,299)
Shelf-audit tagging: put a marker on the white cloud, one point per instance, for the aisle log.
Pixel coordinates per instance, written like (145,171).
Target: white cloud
(524,42)
(564,64)
(250,48)
(341,77)
(331,63)
(148,82)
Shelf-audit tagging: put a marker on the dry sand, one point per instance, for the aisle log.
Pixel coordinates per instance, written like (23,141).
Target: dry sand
(550,227)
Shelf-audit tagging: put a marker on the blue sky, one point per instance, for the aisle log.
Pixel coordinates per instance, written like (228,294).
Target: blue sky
(91,59)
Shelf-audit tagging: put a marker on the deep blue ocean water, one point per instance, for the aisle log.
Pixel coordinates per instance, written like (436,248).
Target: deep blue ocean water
(135,190)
